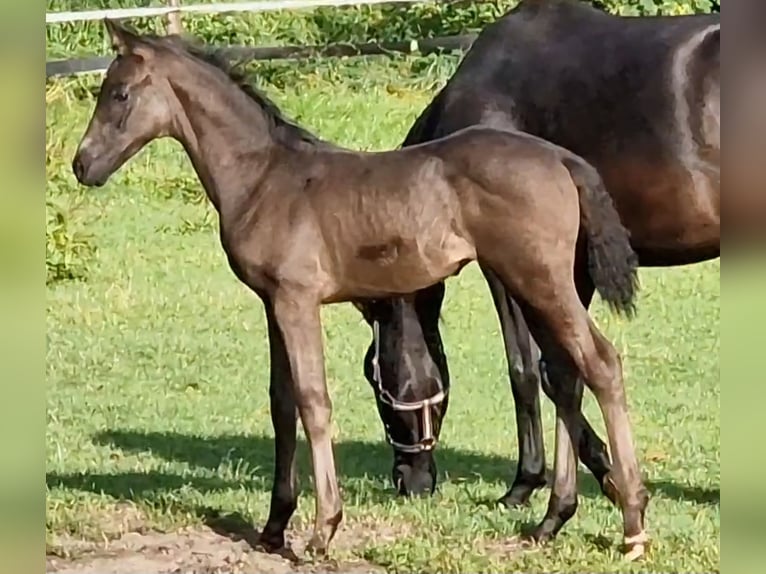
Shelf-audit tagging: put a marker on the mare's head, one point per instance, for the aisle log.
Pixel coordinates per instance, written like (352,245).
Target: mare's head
(406,367)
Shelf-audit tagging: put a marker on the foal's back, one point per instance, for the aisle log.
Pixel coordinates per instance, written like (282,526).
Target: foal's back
(386,223)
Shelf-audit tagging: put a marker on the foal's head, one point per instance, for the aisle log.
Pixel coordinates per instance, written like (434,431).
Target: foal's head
(405,366)
(160,86)
(134,106)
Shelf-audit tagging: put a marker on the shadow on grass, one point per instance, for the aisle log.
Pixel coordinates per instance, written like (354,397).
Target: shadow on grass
(355,460)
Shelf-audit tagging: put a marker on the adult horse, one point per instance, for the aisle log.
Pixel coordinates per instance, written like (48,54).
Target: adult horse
(639,98)
(305,223)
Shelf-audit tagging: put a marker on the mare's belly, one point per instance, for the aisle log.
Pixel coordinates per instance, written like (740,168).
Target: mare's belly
(666,207)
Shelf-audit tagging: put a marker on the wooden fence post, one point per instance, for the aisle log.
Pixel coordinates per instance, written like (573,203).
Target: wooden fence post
(174,19)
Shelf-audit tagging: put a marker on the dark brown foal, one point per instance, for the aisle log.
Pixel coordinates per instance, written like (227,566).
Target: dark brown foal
(304,223)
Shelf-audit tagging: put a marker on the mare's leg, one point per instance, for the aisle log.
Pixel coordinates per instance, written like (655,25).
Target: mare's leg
(284,495)
(525,387)
(298,319)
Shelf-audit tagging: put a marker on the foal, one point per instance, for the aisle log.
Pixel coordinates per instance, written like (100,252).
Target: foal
(305,223)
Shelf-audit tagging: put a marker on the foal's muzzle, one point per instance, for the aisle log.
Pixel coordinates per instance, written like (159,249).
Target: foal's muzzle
(82,167)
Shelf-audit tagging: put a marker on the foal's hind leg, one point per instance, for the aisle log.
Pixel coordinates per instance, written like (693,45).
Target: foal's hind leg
(591,449)
(558,372)
(598,362)
(525,386)
(567,396)
(526,378)
(604,377)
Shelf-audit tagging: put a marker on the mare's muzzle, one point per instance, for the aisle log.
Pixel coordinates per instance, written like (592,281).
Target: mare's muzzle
(426,441)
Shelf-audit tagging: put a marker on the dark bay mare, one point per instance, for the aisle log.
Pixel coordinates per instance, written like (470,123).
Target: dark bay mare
(305,223)
(639,98)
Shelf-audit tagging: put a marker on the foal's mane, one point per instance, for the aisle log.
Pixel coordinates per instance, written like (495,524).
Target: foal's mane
(282,128)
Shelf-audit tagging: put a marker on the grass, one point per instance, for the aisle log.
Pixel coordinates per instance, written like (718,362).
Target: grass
(157,372)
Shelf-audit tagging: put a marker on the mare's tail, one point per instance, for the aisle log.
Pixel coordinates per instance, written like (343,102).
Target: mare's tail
(612,263)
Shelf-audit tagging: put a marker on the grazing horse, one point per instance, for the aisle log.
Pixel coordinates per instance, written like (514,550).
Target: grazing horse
(305,223)
(639,98)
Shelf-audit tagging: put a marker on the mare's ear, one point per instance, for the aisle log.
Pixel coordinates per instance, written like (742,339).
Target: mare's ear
(124,40)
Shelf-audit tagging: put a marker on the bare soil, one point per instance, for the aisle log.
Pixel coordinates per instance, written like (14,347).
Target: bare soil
(225,545)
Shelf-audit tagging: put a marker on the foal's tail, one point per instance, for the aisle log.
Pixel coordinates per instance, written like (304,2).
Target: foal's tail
(612,263)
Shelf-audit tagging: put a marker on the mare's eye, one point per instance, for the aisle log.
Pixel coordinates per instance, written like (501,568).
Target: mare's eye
(120,95)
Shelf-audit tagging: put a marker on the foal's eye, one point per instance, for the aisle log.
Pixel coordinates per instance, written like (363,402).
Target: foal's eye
(120,95)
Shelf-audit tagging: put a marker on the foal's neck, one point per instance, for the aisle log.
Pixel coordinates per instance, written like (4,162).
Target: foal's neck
(225,133)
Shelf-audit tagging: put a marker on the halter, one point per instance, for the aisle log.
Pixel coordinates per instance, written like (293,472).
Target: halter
(428,441)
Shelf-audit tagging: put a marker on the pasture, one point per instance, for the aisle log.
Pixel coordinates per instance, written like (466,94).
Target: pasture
(158,429)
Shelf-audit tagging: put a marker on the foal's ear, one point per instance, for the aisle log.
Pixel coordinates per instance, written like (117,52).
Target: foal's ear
(124,40)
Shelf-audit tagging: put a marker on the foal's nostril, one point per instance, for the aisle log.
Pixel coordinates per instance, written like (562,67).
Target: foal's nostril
(77,167)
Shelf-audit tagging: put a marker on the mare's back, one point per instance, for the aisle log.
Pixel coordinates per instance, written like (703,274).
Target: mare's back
(585,79)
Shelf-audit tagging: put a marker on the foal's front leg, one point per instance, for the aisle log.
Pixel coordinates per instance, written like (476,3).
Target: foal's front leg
(297,317)
(284,495)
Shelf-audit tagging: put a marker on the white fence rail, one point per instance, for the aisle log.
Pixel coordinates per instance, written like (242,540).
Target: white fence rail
(217,8)
(173,12)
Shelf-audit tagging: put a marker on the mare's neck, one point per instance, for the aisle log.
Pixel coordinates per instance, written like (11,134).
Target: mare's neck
(225,133)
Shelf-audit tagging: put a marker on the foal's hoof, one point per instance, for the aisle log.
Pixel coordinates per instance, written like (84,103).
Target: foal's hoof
(634,547)
(316,548)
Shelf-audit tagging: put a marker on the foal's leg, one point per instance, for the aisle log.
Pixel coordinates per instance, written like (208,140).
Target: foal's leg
(603,375)
(525,386)
(559,369)
(600,365)
(299,322)
(284,495)
(567,396)
(525,380)
(591,450)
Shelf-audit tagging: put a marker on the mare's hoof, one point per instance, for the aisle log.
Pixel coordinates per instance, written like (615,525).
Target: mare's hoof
(520,493)
(634,547)
(515,498)
(540,535)
(271,543)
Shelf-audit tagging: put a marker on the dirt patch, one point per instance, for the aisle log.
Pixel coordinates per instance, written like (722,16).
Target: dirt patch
(201,551)
(225,545)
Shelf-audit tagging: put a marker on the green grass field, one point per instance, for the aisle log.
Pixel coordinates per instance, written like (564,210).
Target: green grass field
(157,369)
